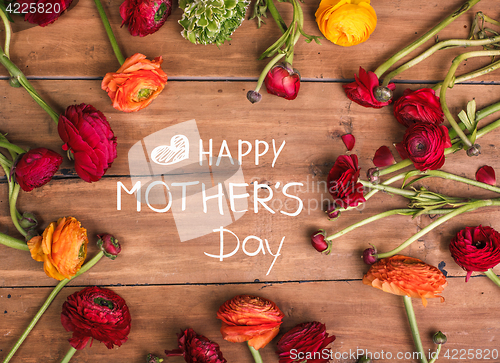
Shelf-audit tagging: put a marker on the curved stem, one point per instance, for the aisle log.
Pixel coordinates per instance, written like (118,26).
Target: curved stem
(408,49)
(267,69)
(13,210)
(69,355)
(438,46)
(109,31)
(449,176)
(8,33)
(13,242)
(383,215)
(276,15)
(437,222)
(435,355)
(465,77)
(12,147)
(493,277)
(414,328)
(255,354)
(47,303)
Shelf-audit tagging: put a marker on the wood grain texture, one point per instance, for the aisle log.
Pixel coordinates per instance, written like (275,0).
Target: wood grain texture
(76,45)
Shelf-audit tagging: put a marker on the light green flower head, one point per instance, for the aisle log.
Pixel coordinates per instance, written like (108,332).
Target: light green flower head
(211,21)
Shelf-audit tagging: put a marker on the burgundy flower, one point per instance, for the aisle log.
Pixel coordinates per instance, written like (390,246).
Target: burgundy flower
(307,342)
(362,90)
(196,348)
(87,133)
(383,157)
(319,243)
(349,141)
(424,145)
(476,249)
(145,17)
(418,106)
(96,313)
(36,168)
(43,12)
(343,182)
(283,81)
(109,245)
(486,174)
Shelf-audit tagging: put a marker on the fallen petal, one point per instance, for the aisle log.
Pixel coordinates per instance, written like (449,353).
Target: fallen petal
(486,174)
(349,141)
(383,157)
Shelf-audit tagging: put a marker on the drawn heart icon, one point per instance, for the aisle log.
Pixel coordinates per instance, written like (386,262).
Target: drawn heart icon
(176,152)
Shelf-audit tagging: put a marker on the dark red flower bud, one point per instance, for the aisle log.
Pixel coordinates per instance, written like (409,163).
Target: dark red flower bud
(362,90)
(418,106)
(373,175)
(319,242)
(370,256)
(87,134)
(309,340)
(109,245)
(43,12)
(474,150)
(96,313)
(253,96)
(332,212)
(343,183)
(196,348)
(439,338)
(283,81)
(476,249)
(145,17)
(36,168)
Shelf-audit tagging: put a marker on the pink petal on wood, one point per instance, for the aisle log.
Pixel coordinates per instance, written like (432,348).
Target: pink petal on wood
(486,174)
(383,157)
(349,141)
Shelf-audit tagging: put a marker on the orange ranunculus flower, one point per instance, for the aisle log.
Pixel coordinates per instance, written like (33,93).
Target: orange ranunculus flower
(346,22)
(138,82)
(401,275)
(250,318)
(62,248)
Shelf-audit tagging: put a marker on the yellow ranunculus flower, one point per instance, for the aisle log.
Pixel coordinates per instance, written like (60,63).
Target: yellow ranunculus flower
(62,248)
(346,22)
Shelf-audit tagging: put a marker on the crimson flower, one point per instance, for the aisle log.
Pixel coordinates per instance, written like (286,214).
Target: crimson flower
(319,243)
(96,313)
(418,106)
(424,144)
(109,245)
(476,249)
(144,17)
(343,182)
(36,168)
(362,90)
(43,12)
(196,348)
(87,134)
(306,342)
(283,81)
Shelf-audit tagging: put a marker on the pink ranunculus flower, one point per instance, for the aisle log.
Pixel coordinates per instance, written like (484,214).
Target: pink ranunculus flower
(283,81)
(418,106)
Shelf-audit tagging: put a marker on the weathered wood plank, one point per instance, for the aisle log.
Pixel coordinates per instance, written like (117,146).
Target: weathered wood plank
(63,49)
(359,316)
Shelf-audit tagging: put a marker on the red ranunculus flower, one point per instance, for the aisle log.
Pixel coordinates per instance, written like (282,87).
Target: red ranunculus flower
(196,348)
(250,318)
(418,106)
(43,12)
(476,249)
(308,341)
(36,168)
(145,17)
(87,133)
(362,89)
(283,81)
(343,182)
(424,145)
(96,313)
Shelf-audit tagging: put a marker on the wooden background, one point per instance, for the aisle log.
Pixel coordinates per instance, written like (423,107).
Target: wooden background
(170,285)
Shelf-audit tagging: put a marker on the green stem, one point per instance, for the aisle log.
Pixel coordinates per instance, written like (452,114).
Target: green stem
(436,354)
(414,328)
(6,165)
(47,303)
(456,62)
(109,31)
(8,32)
(449,176)
(383,215)
(69,355)
(438,46)
(465,77)
(386,188)
(267,69)
(12,147)
(276,16)
(13,210)
(255,354)
(485,112)
(437,222)
(408,49)
(493,277)
(13,242)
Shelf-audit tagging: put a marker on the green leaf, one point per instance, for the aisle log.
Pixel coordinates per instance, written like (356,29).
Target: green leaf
(471,111)
(230,3)
(465,120)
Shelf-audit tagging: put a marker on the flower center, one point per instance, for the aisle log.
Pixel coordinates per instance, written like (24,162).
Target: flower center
(82,251)
(144,94)
(103,302)
(160,12)
(479,245)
